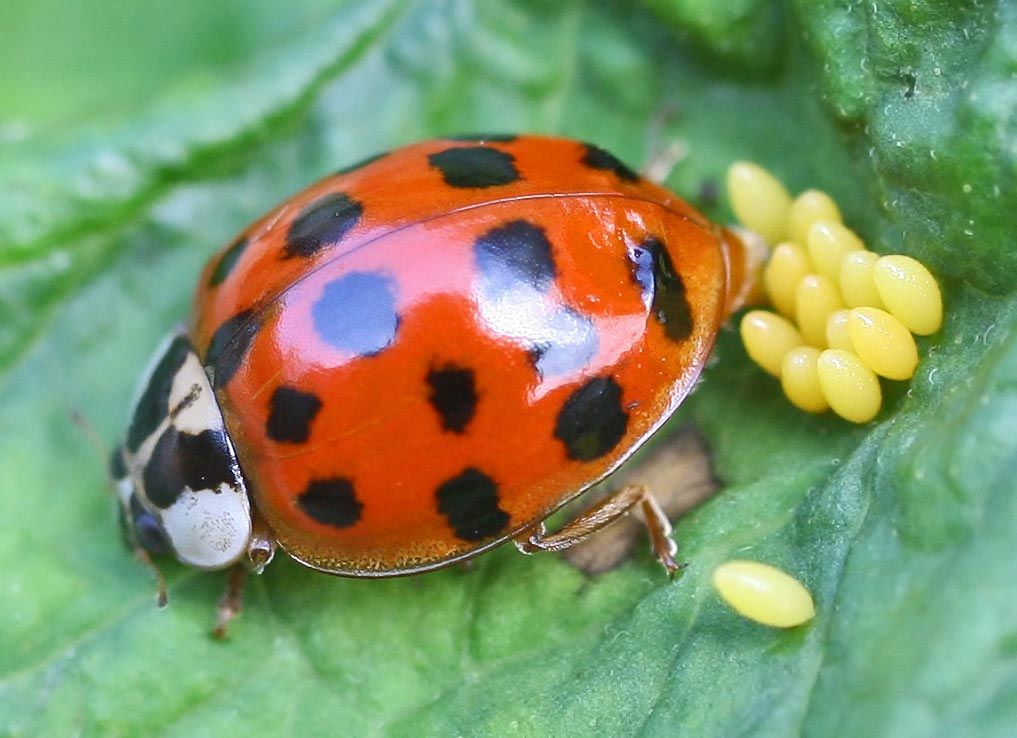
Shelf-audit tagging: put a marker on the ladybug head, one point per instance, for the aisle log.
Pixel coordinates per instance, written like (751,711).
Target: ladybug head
(180,486)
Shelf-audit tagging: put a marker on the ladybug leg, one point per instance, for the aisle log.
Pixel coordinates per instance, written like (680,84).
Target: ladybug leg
(260,551)
(232,601)
(664,153)
(604,513)
(663,160)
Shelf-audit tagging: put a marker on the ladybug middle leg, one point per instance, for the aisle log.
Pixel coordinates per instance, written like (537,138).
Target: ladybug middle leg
(604,513)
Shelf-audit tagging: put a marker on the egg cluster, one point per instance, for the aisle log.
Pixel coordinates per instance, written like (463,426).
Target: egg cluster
(844,315)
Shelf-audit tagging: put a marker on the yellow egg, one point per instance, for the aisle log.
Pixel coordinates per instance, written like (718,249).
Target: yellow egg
(799,378)
(767,337)
(787,266)
(810,207)
(829,242)
(759,200)
(763,593)
(849,386)
(857,279)
(816,297)
(883,343)
(837,336)
(910,292)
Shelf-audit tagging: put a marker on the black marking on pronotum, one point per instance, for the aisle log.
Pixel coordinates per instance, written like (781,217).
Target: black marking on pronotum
(227,261)
(361,164)
(331,502)
(663,290)
(592,421)
(189,399)
(153,405)
(179,460)
(453,395)
(357,313)
(229,346)
(475,166)
(514,254)
(572,342)
(321,224)
(290,413)
(596,158)
(469,501)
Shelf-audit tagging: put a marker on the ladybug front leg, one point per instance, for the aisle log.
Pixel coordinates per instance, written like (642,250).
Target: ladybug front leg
(232,601)
(604,513)
(260,551)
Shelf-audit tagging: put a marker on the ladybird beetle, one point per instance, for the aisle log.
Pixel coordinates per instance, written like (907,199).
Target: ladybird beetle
(423,356)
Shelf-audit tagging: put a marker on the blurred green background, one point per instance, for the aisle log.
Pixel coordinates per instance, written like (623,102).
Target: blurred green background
(137,138)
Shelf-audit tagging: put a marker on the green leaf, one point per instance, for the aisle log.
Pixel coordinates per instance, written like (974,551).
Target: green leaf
(903,529)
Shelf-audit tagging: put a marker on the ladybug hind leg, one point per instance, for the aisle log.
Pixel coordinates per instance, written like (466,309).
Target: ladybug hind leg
(607,511)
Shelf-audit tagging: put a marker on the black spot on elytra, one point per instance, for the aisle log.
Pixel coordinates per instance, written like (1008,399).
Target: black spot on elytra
(229,346)
(290,413)
(148,532)
(475,166)
(331,502)
(179,460)
(597,158)
(484,137)
(662,287)
(469,501)
(357,313)
(517,253)
(227,261)
(361,164)
(592,421)
(153,405)
(453,396)
(321,224)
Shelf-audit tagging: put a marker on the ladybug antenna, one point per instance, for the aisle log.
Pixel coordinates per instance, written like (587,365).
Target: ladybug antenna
(99,447)
(94,440)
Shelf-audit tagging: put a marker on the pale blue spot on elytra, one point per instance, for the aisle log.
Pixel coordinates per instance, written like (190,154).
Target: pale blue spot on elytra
(357,313)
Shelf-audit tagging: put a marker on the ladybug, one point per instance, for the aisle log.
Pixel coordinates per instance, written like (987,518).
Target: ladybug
(423,356)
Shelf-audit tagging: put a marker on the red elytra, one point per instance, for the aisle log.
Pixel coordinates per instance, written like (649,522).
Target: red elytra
(424,356)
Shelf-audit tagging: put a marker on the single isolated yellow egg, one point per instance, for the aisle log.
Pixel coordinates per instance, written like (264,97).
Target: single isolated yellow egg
(816,297)
(857,279)
(910,292)
(759,200)
(767,338)
(799,378)
(837,336)
(850,387)
(763,593)
(787,267)
(810,207)
(829,242)
(883,343)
